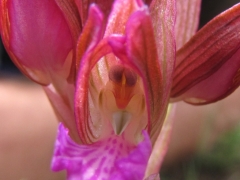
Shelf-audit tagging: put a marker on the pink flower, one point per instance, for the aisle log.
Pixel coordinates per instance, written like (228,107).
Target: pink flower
(109,71)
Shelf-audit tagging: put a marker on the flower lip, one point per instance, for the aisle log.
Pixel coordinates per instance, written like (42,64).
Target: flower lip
(112,158)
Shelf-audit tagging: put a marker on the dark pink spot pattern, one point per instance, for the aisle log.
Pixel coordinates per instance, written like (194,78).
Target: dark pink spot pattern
(113,158)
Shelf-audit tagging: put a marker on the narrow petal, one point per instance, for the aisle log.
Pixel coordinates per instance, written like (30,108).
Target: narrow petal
(37,37)
(188,12)
(210,63)
(83,7)
(92,33)
(142,51)
(163,14)
(112,158)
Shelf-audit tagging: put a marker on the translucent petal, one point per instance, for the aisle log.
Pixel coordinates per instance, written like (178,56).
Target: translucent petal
(188,12)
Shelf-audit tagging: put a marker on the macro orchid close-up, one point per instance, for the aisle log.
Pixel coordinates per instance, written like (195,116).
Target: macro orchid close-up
(113,72)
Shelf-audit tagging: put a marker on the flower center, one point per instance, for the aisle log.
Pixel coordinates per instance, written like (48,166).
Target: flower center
(123,81)
(122,101)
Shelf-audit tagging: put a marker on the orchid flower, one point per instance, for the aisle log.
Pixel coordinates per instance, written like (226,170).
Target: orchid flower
(110,70)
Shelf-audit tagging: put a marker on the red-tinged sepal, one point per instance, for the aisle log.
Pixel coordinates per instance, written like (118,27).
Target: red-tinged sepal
(37,37)
(142,53)
(152,60)
(83,8)
(163,15)
(120,13)
(187,19)
(71,14)
(91,35)
(73,19)
(209,63)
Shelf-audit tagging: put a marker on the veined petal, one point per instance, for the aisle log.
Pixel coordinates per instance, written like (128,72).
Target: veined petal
(141,49)
(36,36)
(163,13)
(112,158)
(116,24)
(210,63)
(188,12)
(92,33)
(84,123)
(119,15)
(89,51)
(72,17)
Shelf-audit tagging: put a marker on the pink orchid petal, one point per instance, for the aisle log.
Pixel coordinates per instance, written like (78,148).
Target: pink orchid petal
(92,33)
(218,86)
(141,49)
(5,26)
(112,158)
(72,17)
(188,12)
(39,37)
(212,53)
(70,12)
(163,14)
(83,7)
(88,62)
(119,15)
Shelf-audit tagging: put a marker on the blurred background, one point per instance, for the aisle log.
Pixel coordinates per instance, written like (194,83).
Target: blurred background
(205,144)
